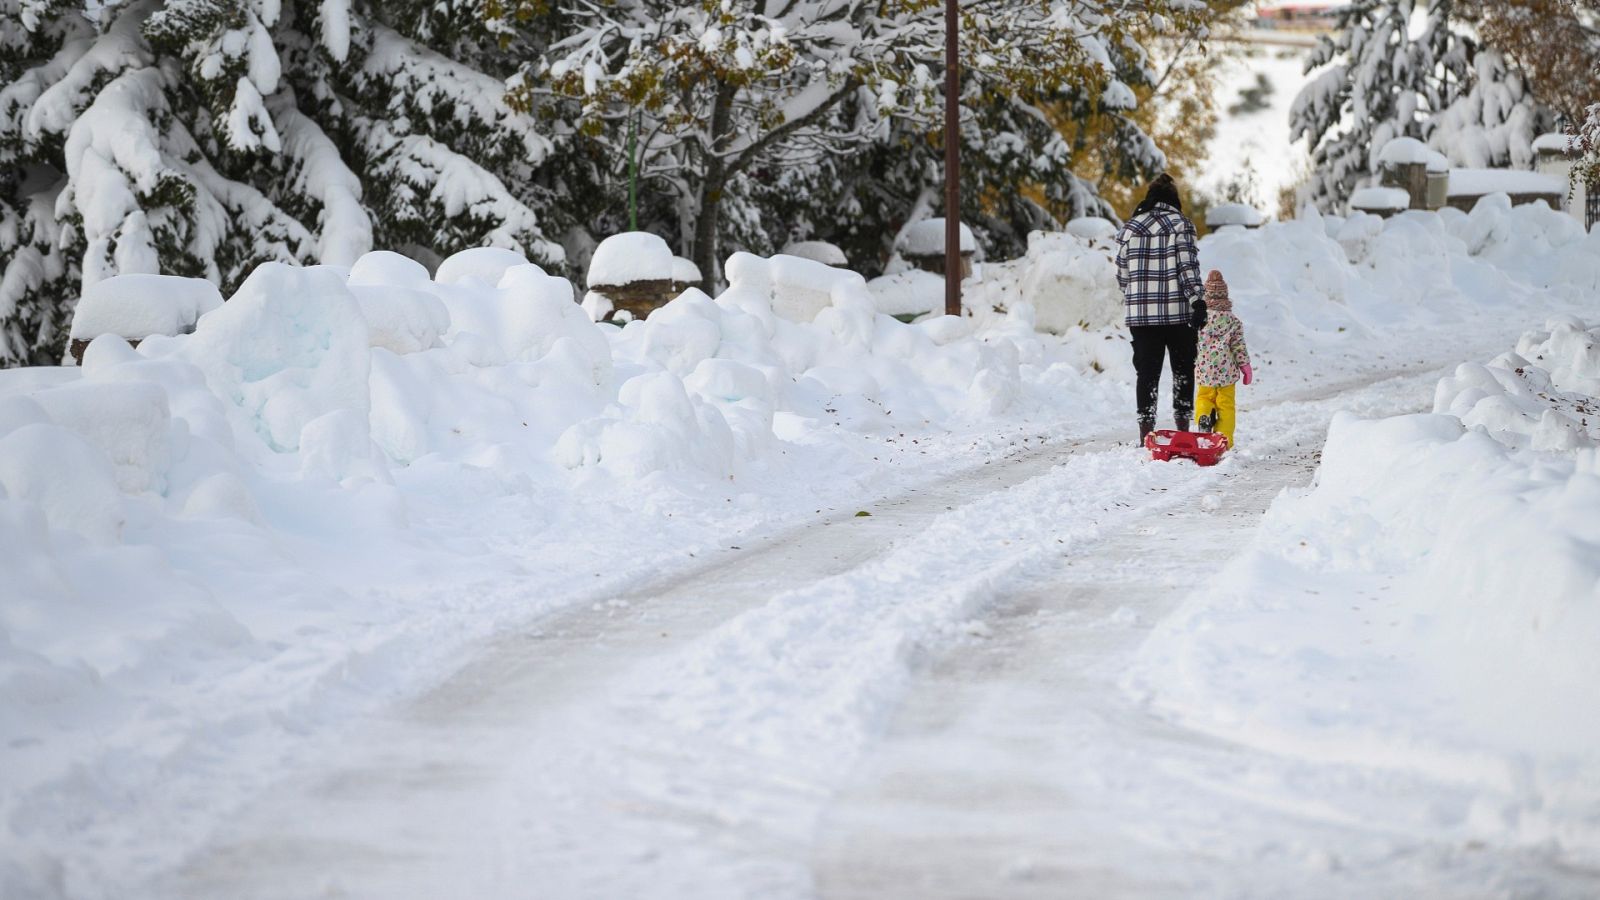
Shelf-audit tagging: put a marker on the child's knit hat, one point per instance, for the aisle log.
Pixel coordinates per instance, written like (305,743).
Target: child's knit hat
(1217,293)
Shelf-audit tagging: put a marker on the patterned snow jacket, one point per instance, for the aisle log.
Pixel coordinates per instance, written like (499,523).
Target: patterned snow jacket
(1222,350)
(1158,268)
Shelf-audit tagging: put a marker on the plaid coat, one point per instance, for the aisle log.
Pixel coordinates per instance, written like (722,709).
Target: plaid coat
(1158,267)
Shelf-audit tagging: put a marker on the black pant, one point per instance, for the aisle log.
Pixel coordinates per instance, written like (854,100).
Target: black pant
(1150,344)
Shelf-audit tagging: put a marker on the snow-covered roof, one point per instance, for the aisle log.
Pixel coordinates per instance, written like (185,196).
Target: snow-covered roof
(817,251)
(926,238)
(1234,214)
(1555,142)
(1380,198)
(137,306)
(1438,163)
(629,257)
(1477,182)
(1403,151)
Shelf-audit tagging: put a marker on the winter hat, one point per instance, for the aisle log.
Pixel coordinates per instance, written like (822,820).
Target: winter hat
(1162,190)
(1217,293)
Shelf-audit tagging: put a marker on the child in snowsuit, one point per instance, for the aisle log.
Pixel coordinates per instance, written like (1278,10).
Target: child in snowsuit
(1223,358)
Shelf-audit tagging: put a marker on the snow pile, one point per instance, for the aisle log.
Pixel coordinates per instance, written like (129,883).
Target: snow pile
(1382,198)
(926,238)
(137,306)
(1225,214)
(1066,279)
(1541,395)
(1429,608)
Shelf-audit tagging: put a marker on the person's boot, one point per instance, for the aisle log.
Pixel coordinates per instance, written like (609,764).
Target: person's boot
(1182,422)
(1144,431)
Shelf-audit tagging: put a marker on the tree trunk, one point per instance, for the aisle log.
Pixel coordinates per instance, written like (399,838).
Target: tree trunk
(709,219)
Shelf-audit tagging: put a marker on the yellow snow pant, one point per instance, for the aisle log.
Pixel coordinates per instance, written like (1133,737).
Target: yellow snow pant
(1208,398)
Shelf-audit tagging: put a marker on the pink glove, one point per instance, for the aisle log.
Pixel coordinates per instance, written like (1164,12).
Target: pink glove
(1248,375)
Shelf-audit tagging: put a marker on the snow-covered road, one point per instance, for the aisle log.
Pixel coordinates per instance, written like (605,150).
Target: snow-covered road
(921,702)
(1019,766)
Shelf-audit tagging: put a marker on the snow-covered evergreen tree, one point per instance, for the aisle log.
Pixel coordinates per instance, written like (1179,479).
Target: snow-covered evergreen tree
(1382,82)
(202,137)
(746,116)
(1494,122)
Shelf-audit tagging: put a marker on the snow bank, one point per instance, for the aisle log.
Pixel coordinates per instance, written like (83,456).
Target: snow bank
(1428,608)
(137,306)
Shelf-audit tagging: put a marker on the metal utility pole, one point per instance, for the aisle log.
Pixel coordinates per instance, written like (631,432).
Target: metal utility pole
(952,161)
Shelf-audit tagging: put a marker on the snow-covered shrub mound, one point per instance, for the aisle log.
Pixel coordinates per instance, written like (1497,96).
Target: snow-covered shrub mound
(817,251)
(137,306)
(402,315)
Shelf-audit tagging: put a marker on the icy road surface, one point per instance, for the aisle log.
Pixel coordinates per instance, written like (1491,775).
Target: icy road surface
(918,703)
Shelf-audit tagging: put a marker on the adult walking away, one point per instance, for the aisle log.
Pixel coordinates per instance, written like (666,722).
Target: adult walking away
(1158,269)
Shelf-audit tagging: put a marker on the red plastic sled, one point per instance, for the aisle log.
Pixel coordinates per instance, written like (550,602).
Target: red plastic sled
(1204,447)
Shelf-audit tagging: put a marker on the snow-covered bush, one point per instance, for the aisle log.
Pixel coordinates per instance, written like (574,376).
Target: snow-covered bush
(203,139)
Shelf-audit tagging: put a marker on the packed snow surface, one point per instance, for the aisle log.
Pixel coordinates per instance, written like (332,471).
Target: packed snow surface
(221,546)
